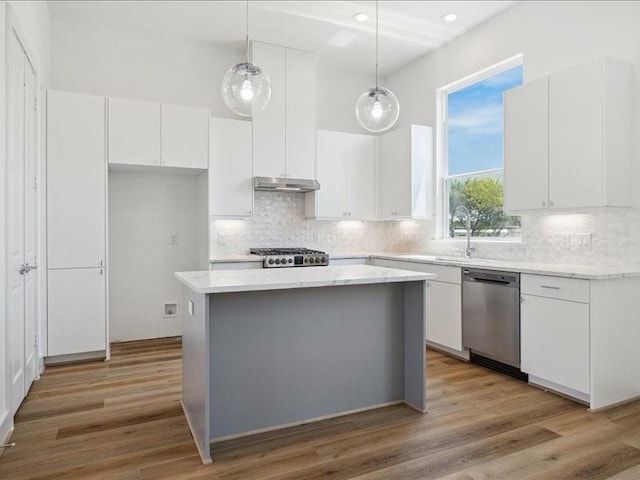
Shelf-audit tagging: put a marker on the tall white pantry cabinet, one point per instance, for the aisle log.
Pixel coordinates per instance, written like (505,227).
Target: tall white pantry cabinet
(76,224)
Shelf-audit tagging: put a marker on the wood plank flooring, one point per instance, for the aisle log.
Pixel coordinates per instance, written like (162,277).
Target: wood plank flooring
(122,420)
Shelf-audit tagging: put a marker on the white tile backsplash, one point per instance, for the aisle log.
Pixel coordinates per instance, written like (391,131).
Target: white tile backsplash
(279,221)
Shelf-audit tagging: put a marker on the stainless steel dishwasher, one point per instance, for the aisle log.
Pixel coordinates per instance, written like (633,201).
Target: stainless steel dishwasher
(491,319)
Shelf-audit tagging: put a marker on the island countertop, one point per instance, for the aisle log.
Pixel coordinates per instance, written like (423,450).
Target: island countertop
(227,281)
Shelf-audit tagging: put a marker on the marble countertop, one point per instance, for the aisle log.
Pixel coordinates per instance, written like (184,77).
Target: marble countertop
(588,272)
(226,281)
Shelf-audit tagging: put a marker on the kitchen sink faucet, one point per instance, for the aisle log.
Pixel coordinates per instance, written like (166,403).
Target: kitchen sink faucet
(469,249)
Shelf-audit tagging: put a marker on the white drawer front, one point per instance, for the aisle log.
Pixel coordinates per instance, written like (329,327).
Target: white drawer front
(445,273)
(575,290)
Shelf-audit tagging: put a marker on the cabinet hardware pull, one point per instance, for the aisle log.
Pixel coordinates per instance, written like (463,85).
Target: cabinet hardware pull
(550,287)
(100,271)
(544,204)
(550,203)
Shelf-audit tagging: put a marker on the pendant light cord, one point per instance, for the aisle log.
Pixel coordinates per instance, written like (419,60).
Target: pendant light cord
(246,45)
(376,44)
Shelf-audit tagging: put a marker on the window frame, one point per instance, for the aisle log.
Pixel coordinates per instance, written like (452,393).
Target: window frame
(442,150)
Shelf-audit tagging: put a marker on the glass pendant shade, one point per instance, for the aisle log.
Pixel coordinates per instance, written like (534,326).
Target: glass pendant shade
(246,89)
(377,109)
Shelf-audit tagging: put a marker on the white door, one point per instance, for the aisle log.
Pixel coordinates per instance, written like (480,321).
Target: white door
(134,132)
(331,199)
(15,222)
(444,314)
(31,224)
(76,298)
(300,114)
(269,125)
(554,338)
(185,137)
(76,180)
(230,180)
(576,137)
(360,176)
(387,181)
(526,146)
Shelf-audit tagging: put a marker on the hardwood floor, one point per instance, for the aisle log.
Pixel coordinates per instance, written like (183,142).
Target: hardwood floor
(122,420)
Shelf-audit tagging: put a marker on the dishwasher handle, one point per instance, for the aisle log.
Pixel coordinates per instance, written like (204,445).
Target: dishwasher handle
(507,279)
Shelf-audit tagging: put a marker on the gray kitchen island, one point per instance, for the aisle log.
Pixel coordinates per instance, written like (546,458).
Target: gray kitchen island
(266,349)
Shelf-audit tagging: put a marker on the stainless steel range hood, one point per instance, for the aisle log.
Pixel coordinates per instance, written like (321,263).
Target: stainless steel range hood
(280,184)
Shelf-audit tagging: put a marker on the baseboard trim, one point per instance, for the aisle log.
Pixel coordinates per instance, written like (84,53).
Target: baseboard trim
(462,355)
(561,390)
(614,405)
(309,420)
(6,429)
(75,357)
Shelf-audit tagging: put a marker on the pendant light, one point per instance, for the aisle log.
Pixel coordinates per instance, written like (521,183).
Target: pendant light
(246,89)
(377,108)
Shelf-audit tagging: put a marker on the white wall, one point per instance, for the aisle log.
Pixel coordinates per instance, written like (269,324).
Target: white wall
(552,36)
(145,211)
(34,22)
(88,58)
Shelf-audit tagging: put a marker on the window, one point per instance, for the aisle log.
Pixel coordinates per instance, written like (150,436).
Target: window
(471,163)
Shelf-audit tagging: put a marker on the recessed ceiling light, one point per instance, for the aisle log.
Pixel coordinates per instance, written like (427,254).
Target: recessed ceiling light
(449,17)
(361,17)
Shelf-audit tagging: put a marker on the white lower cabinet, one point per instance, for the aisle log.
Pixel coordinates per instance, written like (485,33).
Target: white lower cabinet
(444,314)
(555,341)
(554,335)
(77,311)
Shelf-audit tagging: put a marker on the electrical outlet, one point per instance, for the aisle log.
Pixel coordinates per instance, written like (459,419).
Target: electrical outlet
(566,241)
(583,241)
(222,239)
(174,240)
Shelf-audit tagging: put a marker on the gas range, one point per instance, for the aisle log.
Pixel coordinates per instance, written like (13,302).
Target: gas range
(291,257)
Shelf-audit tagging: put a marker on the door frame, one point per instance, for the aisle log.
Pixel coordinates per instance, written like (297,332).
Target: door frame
(12,27)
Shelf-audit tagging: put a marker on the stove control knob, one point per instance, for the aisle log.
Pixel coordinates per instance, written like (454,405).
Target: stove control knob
(277,261)
(323,260)
(311,260)
(271,261)
(317,259)
(290,260)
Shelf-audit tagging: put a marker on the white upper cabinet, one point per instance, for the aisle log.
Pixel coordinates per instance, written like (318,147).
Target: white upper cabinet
(230,180)
(404,163)
(184,136)
(300,122)
(587,129)
(134,132)
(145,133)
(269,126)
(76,180)
(526,146)
(284,134)
(360,176)
(346,172)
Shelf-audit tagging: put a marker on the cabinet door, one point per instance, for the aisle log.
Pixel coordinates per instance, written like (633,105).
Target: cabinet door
(76,310)
(386,167)
(331,199)
(185,137)
(134,132)
(554,338)
(301,79)
(526,146)
(360,176)
(76,180)
(576,137)
(444,314)
(403,192)
(269,126)
(230,174)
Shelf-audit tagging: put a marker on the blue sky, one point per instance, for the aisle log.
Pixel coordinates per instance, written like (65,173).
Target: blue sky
(475,123)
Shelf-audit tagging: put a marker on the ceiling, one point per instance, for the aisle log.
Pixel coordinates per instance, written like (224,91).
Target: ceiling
(408,29)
